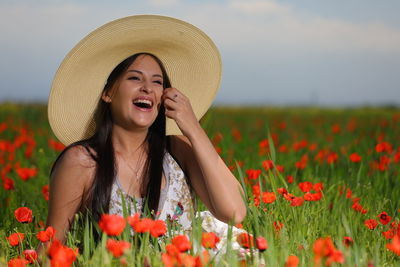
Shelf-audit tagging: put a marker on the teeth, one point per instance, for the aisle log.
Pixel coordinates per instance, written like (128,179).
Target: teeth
(144,101)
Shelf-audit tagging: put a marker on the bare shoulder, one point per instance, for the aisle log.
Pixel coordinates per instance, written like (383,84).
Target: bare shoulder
(79,156)
(77,164)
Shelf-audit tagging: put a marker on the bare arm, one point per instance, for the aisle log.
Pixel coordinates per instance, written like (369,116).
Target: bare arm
(211,179)
(71,176)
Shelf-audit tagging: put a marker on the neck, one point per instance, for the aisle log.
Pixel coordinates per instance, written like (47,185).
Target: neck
(128,142)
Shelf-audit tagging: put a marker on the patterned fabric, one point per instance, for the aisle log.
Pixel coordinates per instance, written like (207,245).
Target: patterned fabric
(175,199)
(176,205)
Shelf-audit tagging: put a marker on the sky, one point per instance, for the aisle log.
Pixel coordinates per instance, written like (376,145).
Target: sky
(309,52)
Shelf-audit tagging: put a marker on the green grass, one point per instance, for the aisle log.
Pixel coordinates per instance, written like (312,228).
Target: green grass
(360,130)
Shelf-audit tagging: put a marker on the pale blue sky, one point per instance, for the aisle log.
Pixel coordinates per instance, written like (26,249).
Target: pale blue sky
(273,52)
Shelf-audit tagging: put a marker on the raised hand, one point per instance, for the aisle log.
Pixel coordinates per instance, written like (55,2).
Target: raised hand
(179,108)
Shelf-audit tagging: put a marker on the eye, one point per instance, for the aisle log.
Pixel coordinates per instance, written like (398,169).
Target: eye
(134,78)
(158,82)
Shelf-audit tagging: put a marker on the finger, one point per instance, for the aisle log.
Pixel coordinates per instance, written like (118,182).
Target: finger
(170,90)
(170,104)
(171,94)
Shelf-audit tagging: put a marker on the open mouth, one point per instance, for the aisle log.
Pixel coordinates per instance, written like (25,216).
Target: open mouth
(143,103)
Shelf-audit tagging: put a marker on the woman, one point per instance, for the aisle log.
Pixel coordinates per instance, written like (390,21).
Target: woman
(125,151)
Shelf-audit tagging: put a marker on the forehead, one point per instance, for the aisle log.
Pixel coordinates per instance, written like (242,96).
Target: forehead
(146,63)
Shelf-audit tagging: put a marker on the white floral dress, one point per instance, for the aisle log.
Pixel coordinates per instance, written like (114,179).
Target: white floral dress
(175,204)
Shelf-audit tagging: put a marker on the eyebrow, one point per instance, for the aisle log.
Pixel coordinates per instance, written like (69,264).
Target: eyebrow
(138,71)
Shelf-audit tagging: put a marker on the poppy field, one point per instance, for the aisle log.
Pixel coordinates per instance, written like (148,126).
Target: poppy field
(322,188)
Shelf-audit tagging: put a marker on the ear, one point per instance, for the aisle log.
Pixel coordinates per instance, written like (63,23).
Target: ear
(106,97)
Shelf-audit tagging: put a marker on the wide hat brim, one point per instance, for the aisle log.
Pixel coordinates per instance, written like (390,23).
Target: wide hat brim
(191,59)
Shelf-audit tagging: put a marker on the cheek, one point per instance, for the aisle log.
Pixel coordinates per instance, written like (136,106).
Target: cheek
(159,94)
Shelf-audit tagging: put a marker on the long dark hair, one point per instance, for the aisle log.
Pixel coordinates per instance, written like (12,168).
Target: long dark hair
(98,198)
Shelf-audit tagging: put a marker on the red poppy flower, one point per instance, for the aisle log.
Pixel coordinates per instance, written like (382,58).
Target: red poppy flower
(288,196)
(267,164)
(46,235)
(112,225)
(168,260)
(384,218)
(245,240)
(17,262)
(371,224)
(61,255)
(389,234)
(383,147)
(261,243)
(332,157)
(283,148)
(187,260)
(217,138)
(256,190)
(8,184)
(116,247)
(313,196)
(182,243)
(308,197)
(394,246)
(202,260)
(357,207)
(239,225)
(297,201)
(159,228)
(45,192)
(355,157)
(305,186)
(132,220)
(321,155)
(348,241)
(26,173)
(290,179)
(3,126)
(336,128)
(280,168)
(15,238)
(312,147)
(143,226)
(6,169)
(282,191)
(318,187)
(292,261)
(253,174)
(348,193)
(324,248)
(300,145)
(396,157)
(302,163)
(57,146)
(172,250)
(236,135)
(256,201)
(209,240)
(277,226)
(30,255)
(218,149)
(268,197)
(23,215)
(263,143)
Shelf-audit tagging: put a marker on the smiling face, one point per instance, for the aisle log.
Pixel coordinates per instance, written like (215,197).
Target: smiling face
(136,97)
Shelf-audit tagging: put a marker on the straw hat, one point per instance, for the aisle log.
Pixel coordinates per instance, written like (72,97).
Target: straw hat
(191,59)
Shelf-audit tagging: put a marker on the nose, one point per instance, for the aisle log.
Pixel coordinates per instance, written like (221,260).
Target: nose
(146,87)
